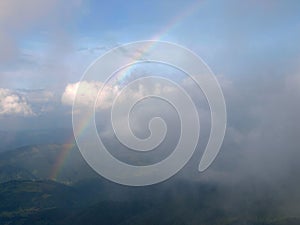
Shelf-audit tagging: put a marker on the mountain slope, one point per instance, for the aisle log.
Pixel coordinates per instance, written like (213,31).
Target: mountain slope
(43,162)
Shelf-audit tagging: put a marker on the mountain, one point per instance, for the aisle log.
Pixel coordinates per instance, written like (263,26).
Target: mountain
(180,202)
(30,195)
(8,173)
(15,139)
(21,201)
(63,163)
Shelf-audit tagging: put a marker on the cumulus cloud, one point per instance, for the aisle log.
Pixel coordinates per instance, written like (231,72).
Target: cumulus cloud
(88,93)
(145,108)
(13,104)
(25,102)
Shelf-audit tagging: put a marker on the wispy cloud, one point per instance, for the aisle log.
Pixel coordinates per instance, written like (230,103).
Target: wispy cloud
(18,18)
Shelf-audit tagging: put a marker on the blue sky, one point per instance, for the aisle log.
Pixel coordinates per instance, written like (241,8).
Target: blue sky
(229,35)
(47,45)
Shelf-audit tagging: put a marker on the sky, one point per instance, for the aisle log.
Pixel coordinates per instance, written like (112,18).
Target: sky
(251,46)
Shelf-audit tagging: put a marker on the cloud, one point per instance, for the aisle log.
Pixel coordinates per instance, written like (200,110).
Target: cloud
(38,95)
(88,93)
(17,18)
(140,115)
(262,139)
(13,104)
(26,102)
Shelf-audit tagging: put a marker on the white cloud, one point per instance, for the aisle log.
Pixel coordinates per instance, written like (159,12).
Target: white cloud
(88,93)
(13,104)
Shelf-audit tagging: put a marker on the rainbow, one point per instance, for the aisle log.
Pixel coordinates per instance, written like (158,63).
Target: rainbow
(177,20)
(61,158)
